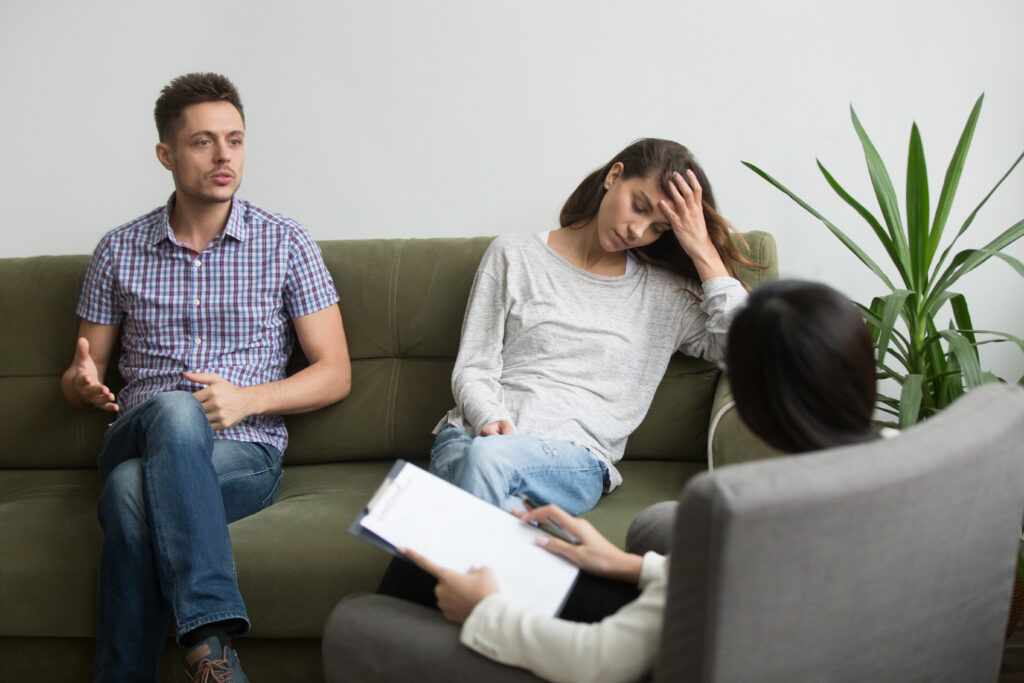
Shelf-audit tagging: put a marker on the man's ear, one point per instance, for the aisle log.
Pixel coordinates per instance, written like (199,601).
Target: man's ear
(614,174)
(165,154)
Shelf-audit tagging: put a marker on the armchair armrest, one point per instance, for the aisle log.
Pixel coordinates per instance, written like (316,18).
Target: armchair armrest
(730,441)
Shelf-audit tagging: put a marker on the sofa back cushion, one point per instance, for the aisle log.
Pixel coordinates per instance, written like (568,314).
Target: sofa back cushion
(402,302)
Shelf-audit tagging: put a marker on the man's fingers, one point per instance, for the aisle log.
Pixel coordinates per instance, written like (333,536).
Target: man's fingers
(202,377)
(82,350)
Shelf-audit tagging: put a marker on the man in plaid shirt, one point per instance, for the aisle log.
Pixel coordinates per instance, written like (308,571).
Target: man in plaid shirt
(203,294)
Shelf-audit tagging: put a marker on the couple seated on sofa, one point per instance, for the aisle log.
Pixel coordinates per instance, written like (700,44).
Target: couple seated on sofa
(567,335)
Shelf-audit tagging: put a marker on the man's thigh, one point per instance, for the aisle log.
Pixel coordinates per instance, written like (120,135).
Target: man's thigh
(248,475)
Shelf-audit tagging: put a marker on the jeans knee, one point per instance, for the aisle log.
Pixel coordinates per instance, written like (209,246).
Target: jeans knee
(485,456)
(122,505)
(179,413)
(175,405)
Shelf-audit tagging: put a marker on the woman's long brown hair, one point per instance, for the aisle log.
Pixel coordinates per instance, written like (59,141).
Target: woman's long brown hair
(658,159)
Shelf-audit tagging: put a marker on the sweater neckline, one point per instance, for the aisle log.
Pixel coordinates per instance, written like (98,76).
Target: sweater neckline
(633,265)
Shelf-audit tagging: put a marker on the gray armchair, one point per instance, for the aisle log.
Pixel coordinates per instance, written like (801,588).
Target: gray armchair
(891,560)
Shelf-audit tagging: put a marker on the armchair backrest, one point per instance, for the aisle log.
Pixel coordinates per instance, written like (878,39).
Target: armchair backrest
(891,560)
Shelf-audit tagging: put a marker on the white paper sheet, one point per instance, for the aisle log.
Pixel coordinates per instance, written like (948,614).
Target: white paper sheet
(458,530)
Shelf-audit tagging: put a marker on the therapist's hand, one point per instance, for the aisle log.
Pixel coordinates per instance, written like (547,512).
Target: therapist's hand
(595,553)
(457,592)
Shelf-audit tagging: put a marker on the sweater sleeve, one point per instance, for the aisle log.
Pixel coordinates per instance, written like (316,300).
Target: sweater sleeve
(703,334)
(621,647)
(476,379)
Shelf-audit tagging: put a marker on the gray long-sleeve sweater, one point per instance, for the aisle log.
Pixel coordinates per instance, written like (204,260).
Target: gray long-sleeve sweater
(568,355)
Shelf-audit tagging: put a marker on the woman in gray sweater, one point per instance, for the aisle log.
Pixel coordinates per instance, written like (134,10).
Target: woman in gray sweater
(568,333)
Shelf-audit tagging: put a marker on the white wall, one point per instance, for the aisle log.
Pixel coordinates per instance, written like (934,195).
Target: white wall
(466,117)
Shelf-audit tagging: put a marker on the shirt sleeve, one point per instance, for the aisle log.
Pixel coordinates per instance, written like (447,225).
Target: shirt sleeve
(621,647)
(308,286)
(703,333)
(476,378)
(97,300)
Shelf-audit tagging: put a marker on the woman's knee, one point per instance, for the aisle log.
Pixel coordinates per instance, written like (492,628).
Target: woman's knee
(652,529)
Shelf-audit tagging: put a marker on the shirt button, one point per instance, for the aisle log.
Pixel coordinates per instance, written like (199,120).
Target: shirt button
(195,302)
(198,340)
(196,263)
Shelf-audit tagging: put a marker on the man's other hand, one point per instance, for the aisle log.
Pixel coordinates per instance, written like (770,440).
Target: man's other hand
(224,403)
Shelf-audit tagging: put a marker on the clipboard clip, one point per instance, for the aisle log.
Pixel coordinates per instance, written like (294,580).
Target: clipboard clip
(380,493)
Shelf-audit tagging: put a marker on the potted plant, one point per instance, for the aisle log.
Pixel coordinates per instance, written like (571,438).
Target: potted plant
(931,362)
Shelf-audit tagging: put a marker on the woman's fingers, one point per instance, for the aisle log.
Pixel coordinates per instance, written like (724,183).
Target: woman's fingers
(423,563)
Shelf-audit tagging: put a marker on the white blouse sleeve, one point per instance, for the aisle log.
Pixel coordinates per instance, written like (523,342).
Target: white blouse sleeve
(621,647)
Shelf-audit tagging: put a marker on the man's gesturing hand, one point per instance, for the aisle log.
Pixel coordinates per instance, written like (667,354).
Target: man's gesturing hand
(86,380)
(224,403)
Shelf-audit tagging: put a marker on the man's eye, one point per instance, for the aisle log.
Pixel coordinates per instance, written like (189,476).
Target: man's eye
(202,143)
(236,142)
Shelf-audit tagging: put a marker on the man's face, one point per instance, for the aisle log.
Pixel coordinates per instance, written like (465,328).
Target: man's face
(208,153)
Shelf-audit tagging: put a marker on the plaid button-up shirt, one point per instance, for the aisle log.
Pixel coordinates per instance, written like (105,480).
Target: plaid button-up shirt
(226,310)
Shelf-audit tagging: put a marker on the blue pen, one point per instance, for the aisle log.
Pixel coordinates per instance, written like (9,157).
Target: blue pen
(551,526)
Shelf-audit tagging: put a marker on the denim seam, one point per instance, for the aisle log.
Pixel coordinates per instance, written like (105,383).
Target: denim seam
(239,475)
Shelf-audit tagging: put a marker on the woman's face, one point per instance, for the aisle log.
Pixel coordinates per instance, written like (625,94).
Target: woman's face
(630,215)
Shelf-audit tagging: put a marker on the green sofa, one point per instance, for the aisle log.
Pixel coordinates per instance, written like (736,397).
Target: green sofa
(402,302)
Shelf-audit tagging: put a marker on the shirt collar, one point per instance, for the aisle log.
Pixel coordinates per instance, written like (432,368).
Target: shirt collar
(236,228)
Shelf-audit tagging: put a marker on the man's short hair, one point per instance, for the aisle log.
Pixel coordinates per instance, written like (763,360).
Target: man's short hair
(187,90)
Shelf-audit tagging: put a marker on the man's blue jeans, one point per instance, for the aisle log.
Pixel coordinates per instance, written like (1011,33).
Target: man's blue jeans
(497,467)
(169,490)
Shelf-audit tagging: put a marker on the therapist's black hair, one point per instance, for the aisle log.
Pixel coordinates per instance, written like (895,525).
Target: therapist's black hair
(801,365)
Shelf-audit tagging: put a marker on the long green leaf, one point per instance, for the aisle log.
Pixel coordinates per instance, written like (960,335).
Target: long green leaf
(874,321)
(951,384)
(966,355)
(970,218)
(893,307)
(933,305)
(962,316)
(910,400)
(969,259)
(917,209)
(850,244)
(869,218)
(952,181)
(885,193)
(1006,337)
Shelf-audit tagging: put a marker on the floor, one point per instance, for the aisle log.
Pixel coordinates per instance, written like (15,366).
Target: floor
(1013,657)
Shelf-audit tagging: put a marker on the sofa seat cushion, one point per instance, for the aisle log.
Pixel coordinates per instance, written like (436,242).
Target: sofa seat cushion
(51,548)
(295,559)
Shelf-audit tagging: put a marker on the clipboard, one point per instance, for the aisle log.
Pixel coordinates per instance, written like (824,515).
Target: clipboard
(356,528)
(415,509)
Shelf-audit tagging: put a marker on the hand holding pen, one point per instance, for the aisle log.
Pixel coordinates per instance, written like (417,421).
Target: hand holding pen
(594,553)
